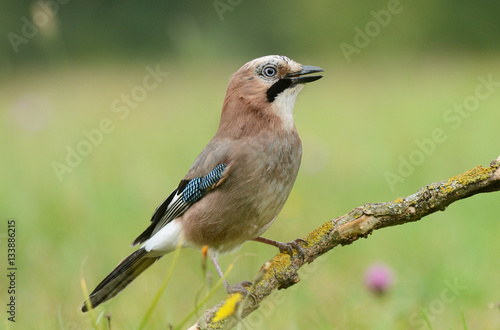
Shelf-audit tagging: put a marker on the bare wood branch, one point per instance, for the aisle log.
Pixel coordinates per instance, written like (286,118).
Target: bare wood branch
(360,222)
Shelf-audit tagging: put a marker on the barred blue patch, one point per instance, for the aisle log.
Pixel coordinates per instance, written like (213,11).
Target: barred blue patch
(196,188)
(192,192)
(213,177)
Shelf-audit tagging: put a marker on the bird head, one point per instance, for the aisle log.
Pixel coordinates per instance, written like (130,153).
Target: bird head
(266,87)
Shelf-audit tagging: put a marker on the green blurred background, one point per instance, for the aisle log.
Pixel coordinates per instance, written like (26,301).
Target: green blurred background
(394,71)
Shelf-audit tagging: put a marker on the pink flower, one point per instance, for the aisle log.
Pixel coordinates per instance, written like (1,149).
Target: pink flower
(379,278)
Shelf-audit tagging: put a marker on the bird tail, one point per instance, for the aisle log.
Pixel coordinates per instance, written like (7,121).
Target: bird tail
(126,271)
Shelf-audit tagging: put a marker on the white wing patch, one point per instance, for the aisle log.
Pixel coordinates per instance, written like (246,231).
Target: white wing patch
(165,240)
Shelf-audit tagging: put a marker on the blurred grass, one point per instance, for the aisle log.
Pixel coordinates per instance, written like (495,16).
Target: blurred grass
(354,124)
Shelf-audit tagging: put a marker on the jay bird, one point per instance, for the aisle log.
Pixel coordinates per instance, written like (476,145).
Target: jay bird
(238,183)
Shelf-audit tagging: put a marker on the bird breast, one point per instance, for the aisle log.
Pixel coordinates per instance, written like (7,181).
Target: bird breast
(262,171)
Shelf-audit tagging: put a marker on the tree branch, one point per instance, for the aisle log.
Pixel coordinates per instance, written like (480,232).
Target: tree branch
(360,222)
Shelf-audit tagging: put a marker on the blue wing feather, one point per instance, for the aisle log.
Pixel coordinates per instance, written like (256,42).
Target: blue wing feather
(187,193)
(198,187)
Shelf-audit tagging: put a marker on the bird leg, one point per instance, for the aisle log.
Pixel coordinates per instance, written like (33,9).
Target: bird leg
(240,287)
(285,247)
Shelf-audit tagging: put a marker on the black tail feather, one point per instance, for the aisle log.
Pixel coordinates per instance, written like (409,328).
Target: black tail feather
(126,271)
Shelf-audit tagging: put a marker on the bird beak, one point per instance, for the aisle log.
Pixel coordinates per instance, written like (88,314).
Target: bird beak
(297,77)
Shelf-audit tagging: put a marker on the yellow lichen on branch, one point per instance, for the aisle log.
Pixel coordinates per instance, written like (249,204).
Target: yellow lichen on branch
(476,174)
(281,271)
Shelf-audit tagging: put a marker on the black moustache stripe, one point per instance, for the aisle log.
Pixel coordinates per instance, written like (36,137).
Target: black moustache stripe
(277,88)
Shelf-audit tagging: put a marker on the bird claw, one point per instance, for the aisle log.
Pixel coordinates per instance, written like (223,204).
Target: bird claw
(289,246)
(285,247)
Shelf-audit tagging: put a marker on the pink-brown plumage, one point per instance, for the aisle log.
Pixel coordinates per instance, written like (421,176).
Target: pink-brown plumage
(251,164)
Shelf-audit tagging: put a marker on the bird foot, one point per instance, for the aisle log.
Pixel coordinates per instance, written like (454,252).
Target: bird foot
(286,247)
(289,246)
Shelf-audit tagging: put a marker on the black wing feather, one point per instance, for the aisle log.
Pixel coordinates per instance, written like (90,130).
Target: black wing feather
(155,219)
(187,193)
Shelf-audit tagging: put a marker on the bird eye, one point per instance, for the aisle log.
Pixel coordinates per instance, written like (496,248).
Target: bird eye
(269,71)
